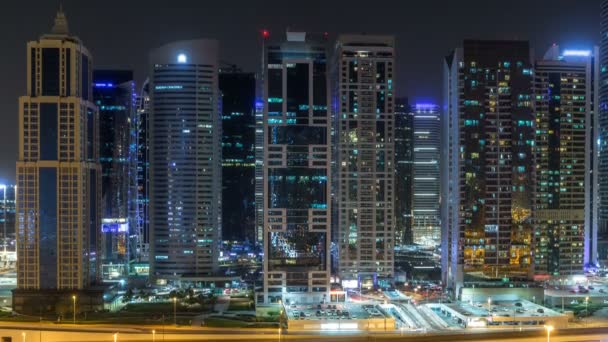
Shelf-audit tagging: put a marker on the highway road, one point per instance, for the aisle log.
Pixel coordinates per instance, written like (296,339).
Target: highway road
(51,333)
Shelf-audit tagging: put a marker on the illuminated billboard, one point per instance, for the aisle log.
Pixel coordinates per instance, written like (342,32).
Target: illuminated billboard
(350,284)
(114,225)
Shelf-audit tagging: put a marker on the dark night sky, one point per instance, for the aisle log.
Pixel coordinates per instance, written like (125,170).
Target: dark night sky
(119,33)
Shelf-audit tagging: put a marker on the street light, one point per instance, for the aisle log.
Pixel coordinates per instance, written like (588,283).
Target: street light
(23,336)
(549,329)
(586,309)
(115,337)
(280,318)
(153,335)
(489,305)
(175,310)
(74,310)
(3,187)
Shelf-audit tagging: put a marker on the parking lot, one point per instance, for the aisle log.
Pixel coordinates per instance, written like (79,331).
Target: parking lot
(345,316)
(488,314)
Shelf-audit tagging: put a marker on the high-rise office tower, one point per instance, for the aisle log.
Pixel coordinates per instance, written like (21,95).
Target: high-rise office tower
(565,213)
(58,176)
(238,154)
(143,174)
(404,139)
(364,125)
(426,227)
(114,95)
(297,160)
(602,246)
(7,214)
(488,169)
(185,160)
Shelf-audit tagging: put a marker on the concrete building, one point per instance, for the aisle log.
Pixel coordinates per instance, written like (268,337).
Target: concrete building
(565,210)
(185,160)
(364,131)
(488,140)
(426,227)
(296,164)
(58,177)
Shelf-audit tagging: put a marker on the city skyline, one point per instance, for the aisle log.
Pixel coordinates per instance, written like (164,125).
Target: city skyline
(309,180)
(419,58)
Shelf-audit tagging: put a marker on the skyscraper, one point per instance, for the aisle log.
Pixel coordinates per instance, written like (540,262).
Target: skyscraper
(185,160)
(114,95)
(143,174)
(297,158)
(565,213)
(426,227)
(404,139)
(58,176)
(364,129)
(238,154)
(488,145)
(603,137)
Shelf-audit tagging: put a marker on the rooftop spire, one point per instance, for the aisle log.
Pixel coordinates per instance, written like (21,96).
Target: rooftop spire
(61,23)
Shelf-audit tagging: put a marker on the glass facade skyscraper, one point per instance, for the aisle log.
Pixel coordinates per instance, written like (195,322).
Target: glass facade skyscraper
(565,216)
(489,165)
(238,154)
(364,131)
(114,95)
(426,226)
(404,140)
(58,174)
(185,160)
(297,160)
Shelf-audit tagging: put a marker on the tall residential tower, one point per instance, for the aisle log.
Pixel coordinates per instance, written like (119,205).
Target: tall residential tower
(364,128)
(58,177)
(565,212)
(488,163)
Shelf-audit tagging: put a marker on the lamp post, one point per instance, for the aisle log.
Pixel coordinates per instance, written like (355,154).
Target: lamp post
(175,310)
(549,329)
(280,318)
(23,336)
(74,308)
(489,306)
(153,335)
(586,309)
(3,187)
(115,337)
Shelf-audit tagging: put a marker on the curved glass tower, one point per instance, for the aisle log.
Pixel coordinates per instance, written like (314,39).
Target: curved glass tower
(185,160)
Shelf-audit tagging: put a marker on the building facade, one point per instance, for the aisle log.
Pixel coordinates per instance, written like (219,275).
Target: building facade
(426,227)
(297,162)
(603,138)
(489,166)
(364,131)
(142,252)
(185,160)
(58,175)
(566,193)
(404,154)
(114,95)
(238,154)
